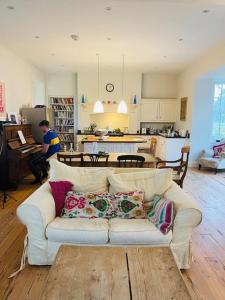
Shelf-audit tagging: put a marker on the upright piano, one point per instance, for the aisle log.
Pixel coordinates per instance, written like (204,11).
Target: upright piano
(14,155)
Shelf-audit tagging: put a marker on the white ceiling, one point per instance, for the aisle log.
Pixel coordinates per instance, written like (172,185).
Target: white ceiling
(144,30)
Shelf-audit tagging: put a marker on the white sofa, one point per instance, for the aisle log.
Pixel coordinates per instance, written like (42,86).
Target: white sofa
(208,160)
(46,232)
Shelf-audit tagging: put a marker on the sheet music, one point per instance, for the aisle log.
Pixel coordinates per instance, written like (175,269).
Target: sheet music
(21,136)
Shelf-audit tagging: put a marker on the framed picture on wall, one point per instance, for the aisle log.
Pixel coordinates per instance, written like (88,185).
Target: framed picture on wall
(183,108)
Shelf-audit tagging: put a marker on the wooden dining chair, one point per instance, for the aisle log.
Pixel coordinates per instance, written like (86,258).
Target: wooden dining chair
(180,168)
(94,158)
(130,161)
(151,149)
(68,159)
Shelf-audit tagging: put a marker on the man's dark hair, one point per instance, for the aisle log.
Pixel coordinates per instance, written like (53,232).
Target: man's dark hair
(44,123)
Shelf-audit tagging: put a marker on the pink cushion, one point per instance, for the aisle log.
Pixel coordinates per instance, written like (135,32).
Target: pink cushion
(59,191)
(218,150)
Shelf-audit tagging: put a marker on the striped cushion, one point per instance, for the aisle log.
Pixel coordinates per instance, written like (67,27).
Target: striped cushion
(162,214)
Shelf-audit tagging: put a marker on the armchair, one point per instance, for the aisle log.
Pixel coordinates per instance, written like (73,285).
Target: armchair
(208,160)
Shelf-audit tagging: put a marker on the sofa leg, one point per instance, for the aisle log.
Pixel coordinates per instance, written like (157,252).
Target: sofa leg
(199,167)
(216,171)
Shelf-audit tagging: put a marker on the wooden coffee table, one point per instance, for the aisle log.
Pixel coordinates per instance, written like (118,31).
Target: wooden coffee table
(137,273)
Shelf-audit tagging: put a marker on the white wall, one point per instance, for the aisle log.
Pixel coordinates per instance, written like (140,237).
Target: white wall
(88,85)
(24,84)
(61,84)
(192,83)
(159,85)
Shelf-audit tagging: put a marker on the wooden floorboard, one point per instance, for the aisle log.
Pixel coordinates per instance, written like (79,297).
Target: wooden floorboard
(205,280)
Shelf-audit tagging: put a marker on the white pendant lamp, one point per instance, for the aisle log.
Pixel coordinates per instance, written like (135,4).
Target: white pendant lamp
(98,107)
(122,107)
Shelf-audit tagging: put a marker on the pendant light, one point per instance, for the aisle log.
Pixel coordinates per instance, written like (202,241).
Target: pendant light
(98,107)
(122,107)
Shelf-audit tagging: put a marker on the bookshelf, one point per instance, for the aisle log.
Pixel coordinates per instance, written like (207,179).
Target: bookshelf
(63,118)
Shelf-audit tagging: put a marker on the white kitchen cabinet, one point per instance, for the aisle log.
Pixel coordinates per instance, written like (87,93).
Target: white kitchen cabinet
(159,110)
(149,111)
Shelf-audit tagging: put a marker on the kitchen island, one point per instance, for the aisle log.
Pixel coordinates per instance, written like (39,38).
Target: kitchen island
(113,144)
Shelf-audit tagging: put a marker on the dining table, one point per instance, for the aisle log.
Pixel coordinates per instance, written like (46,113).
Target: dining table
(150,160)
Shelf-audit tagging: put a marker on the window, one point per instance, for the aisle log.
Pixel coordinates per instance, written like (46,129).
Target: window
(219,111)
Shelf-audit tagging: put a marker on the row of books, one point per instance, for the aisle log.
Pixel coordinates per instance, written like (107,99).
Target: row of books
(63,114)
(62,107)
(64,122)
(66,129)
(60,100)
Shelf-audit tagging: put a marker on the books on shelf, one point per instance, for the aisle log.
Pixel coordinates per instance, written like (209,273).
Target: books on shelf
(63,117)
(60,100)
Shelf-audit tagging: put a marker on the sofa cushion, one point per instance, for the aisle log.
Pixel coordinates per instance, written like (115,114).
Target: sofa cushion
(59,191)
(155,182)
(86,205)
(136,231)
(162,214)
(83,179)
(127,205)
(80,231)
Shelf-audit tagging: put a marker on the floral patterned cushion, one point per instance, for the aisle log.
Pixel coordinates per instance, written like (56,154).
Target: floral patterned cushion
(127,205)
(104,205)
(86,205)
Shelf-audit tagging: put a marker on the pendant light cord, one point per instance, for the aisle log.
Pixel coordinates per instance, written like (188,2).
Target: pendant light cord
(123,77)
(98,76)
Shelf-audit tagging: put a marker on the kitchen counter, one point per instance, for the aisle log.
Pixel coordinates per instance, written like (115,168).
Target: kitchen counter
(139,134)
(112,144)
(113,139)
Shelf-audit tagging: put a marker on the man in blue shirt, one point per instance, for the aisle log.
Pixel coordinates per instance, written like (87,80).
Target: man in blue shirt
(38,163)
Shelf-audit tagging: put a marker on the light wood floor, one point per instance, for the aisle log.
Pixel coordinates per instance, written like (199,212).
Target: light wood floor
(205,279)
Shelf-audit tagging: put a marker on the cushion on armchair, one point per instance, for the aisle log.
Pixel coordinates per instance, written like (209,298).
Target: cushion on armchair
(218,149)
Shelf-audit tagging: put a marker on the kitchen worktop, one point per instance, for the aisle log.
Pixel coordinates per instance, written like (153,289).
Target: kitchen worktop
(113,139)
(139,134)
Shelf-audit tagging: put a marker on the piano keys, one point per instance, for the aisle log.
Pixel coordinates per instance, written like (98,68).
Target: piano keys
(17,153)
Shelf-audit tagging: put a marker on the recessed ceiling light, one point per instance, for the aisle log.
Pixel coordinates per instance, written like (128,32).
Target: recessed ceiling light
(108,8)
(205,11)
(74,37)
(10,7)
(37,37)
(180,39)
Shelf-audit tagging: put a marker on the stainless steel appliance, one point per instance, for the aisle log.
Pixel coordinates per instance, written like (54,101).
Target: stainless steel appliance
(34,116)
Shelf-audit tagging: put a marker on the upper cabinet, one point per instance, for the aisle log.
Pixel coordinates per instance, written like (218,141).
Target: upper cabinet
(159,110)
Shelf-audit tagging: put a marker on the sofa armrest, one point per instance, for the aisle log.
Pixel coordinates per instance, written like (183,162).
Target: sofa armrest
(187,216)
(187,212)
(37,211)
